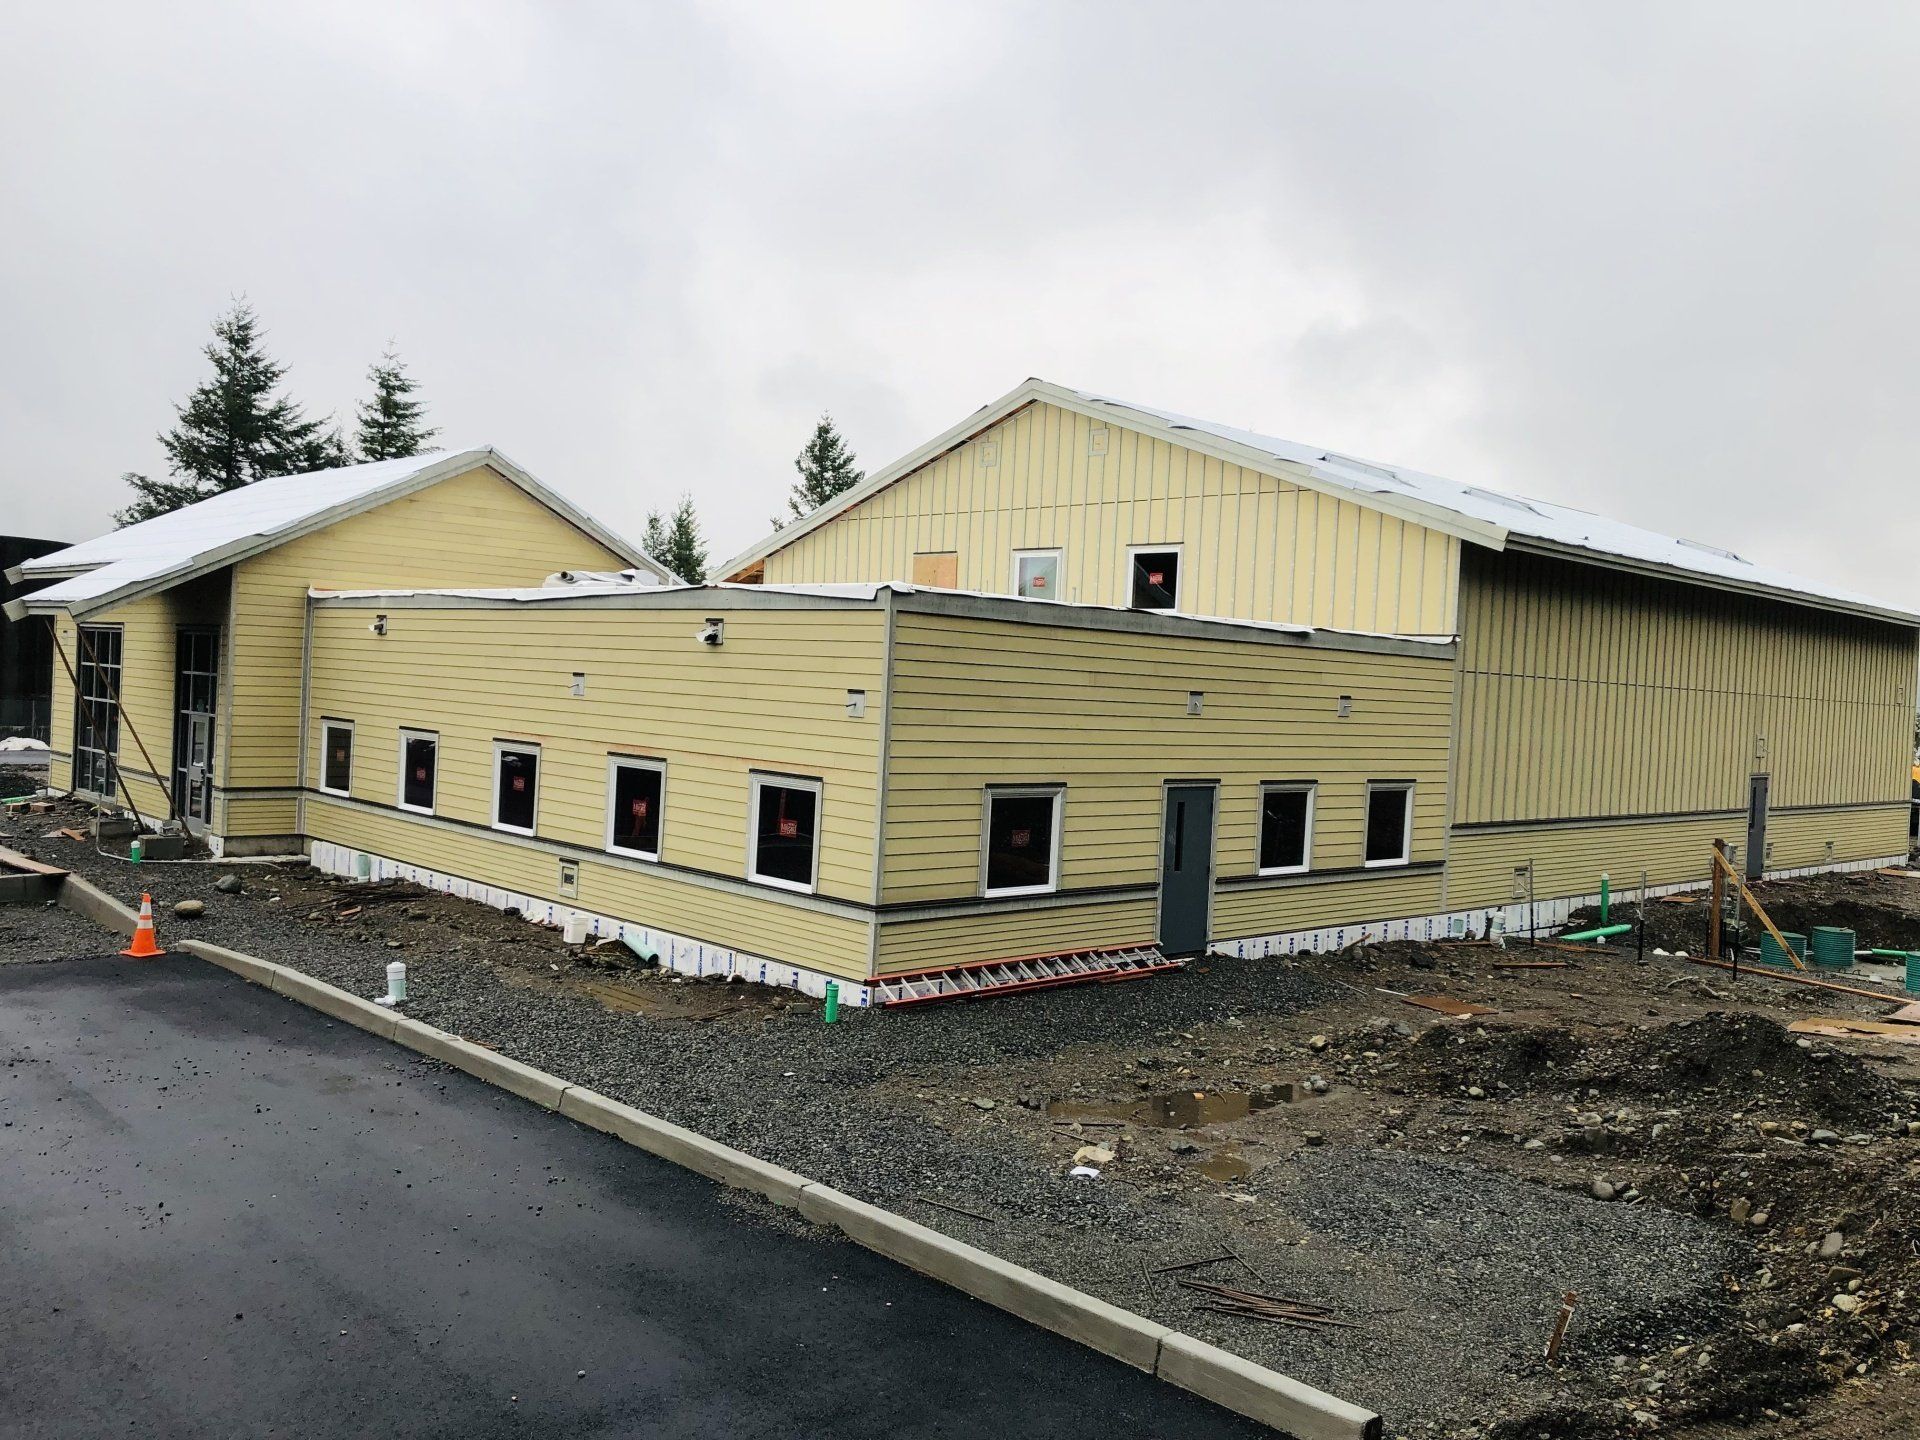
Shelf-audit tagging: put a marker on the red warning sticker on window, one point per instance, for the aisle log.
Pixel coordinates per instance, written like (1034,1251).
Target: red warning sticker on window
(789,829)
(339,754)
(639,808)
(1156,577)
(1039,582)
(420,772)
(1020,839)
(519,783)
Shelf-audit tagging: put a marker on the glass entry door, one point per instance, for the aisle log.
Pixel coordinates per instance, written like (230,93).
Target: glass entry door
(196,690)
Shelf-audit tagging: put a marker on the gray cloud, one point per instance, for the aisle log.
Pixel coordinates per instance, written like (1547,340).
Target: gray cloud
(1654,260)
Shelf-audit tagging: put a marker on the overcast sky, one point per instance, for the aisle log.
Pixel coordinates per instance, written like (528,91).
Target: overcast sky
(1660,261)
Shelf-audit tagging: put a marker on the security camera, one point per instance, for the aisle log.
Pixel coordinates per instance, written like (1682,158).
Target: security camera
(713,632)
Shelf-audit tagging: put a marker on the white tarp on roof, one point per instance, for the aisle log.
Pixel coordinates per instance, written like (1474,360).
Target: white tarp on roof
(266,508)
(1517,515)
(242,522)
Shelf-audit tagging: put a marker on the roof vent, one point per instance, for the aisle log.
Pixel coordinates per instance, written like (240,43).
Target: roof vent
(1494,495)
(1710,549)
(1382,471)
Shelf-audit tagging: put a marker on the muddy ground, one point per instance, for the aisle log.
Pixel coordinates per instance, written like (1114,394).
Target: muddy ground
(1732,1204)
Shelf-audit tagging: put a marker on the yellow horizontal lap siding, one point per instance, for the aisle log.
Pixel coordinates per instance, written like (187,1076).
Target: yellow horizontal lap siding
(256,815)
(1569,859)
(772,699)
(978,703)
(757,925)
(1383,894)
(1589,692)
(1252,546)
(957,940)
(1799,838)
(471,530)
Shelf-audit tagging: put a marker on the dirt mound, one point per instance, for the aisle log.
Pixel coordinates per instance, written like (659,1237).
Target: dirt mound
(1745,1057)
(1520,1058)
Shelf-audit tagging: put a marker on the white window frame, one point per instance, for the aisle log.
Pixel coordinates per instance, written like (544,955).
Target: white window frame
(407,733)
(1012,792)
(1179,552)
(327,727)
(518,747)
(784,782)
(617,763)
(1311,788)
(1406,831)
(1055,552)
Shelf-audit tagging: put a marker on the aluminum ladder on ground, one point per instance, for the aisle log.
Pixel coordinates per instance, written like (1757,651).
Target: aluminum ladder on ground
(1030,972)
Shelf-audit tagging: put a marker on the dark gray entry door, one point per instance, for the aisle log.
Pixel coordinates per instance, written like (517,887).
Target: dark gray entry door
(1186,869)
(1757,826)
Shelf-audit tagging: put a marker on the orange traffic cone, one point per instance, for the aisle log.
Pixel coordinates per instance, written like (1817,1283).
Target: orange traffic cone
(143,947)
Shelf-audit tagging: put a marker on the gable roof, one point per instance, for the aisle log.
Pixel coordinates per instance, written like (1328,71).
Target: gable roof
(127,564)
(1489,518)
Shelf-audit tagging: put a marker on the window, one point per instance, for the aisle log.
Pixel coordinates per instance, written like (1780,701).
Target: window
(783,845)
(1021,842)
(1036,574)
(96,710)
(336,756)
(1156,578)
(516,785)
(636,790)
(1286,827)
(419,761)
(1389,822)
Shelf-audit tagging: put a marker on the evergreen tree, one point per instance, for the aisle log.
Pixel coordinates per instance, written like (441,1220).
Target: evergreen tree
(391,423)
(676,542)
(827,468)
(233,429)
(654,542)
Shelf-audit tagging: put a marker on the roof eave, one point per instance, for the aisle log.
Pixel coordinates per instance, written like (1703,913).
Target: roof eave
(1610,560)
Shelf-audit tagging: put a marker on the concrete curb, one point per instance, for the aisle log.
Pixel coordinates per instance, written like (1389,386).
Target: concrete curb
(245,966)
(1265,1395)
(1031,1296)
(685,1148)
(1206,1370)
(83,897)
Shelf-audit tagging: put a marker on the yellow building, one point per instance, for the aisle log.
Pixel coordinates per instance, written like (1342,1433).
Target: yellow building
(184,634)
(1620,698)
(1074,686)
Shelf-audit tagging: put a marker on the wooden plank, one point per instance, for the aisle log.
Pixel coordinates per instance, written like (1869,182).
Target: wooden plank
(1447,1005)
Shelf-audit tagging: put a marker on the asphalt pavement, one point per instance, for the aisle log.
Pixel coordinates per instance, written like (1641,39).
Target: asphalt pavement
(222,1214)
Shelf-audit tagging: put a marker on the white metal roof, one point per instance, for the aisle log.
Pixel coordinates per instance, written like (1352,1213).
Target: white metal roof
(125,564)
(1482,516)
(682,596)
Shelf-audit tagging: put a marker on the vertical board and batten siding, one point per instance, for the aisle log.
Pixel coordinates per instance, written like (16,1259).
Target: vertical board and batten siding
(148,630)
(978,703)
(773,698)
(1254,547)
(1612,721)
(473,529)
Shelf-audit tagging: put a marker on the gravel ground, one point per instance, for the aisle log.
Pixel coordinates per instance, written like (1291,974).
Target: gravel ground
(1453,1271)
(37,934)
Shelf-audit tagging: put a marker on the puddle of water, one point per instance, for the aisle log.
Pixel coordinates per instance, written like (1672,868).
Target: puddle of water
(1174,1109)
(1224,1165)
